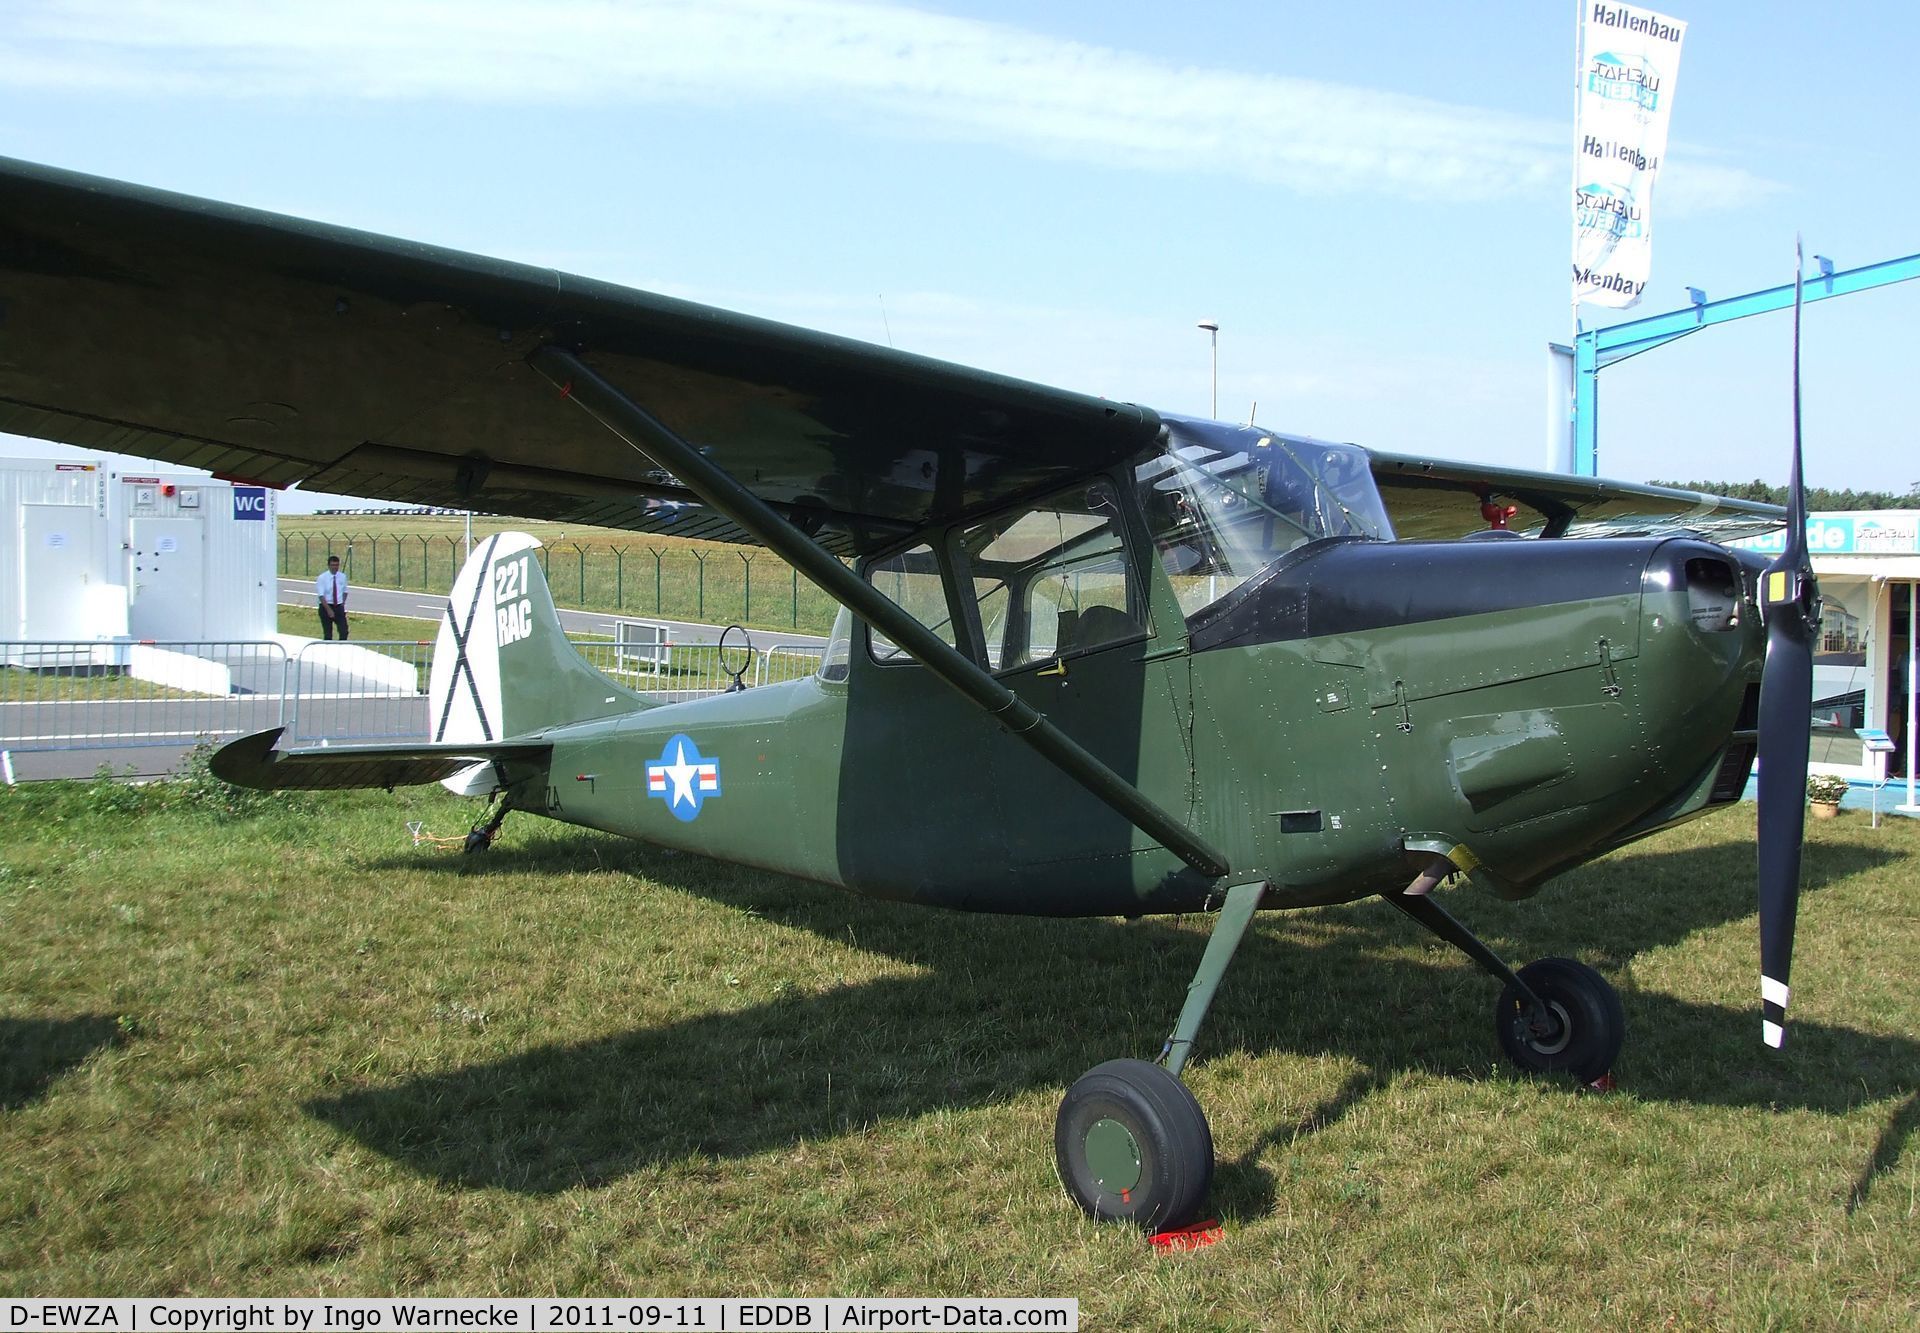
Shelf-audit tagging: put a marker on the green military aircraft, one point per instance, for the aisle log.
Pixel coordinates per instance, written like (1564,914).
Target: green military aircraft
(1095,660)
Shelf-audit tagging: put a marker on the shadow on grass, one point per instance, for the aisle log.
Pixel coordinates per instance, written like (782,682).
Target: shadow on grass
(36,1051)
(1893,1140)
(1014,1004)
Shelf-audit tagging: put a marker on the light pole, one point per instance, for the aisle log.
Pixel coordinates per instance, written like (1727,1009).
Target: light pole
(1213,336)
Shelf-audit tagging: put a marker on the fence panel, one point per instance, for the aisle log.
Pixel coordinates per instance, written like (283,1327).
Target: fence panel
(94,694)
(690,671)
(782,662)
(367,690)
(112,695)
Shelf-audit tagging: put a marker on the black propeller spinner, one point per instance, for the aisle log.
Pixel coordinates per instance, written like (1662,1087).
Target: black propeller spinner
(1790,600)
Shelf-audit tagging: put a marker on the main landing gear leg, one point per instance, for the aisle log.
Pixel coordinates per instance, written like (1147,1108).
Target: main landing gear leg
(1131,1141)
(481,836)
(1554,1015)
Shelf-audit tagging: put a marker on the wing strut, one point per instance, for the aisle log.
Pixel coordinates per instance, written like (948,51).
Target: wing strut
(718,488)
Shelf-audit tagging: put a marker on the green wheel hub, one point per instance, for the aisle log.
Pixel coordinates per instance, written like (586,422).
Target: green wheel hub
(1113,1156)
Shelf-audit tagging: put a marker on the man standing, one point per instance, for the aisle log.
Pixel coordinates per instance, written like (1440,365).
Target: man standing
(332,589)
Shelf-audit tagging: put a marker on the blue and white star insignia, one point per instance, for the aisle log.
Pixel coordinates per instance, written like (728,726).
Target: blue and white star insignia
(683,777)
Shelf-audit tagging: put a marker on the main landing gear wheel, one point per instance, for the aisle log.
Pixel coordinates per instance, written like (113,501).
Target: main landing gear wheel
(1581,1032)
(1133,1146)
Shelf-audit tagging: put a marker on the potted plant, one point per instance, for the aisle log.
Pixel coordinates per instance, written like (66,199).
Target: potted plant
(1824,790)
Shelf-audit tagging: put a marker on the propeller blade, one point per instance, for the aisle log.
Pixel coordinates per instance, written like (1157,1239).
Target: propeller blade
(1789,599)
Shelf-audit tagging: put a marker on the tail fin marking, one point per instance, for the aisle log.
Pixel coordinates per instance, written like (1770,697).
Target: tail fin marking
(502,665)
(462,663)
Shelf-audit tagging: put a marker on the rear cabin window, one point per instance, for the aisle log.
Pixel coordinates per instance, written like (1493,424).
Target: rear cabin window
(1054,579)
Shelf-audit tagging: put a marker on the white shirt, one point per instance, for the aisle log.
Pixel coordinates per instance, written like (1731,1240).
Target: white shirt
(332,587)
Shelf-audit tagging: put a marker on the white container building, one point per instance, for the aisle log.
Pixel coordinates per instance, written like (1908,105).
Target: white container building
(99,554)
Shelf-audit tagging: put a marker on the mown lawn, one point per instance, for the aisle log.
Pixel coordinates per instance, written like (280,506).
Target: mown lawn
(282,1050)
(416,630)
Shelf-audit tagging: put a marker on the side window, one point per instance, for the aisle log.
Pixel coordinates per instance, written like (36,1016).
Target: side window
(911,580)
(1054,579)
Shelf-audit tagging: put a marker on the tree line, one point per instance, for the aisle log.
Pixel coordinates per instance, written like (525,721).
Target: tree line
(1818,497)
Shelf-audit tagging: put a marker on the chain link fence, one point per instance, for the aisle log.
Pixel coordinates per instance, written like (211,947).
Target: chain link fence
(747,587)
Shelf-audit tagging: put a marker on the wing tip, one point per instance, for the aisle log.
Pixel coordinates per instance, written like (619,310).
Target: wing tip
(245,762)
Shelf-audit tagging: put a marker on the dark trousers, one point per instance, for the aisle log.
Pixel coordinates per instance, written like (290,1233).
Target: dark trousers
(331,616)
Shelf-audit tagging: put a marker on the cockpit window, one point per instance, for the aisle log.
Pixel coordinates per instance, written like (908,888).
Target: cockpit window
(1223,502)
(912,579)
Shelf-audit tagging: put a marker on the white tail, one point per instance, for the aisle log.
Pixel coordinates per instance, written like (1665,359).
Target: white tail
(502,666)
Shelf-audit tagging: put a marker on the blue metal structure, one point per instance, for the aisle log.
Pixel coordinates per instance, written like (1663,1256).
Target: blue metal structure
(1594,348)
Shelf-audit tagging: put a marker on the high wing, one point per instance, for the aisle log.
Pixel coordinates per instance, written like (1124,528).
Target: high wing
(278,350)
(1437,498)
(252,761)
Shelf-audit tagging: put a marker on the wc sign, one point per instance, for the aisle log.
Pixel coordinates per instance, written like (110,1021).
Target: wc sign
(250,504)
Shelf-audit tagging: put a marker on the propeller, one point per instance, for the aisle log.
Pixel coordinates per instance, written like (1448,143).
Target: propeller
(1789,600)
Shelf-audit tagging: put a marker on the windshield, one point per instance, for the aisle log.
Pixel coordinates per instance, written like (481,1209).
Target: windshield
(1223,502)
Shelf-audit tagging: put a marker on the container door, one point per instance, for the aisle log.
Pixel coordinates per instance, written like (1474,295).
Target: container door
(169,578)
(56,572)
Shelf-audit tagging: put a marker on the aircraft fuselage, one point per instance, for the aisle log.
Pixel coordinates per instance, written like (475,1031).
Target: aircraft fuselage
(1356,706)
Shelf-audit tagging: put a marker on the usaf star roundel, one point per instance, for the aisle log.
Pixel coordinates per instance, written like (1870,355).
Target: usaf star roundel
(683,777)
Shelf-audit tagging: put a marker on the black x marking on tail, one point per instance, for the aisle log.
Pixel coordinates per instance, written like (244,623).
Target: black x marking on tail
(461,635)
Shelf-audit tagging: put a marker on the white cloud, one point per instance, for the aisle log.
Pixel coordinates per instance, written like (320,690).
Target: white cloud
(896,70)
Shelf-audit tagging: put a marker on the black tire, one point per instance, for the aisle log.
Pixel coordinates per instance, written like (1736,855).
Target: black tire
(1134,1104)
(1591,1023)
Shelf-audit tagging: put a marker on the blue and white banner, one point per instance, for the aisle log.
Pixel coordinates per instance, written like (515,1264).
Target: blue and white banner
(1880,532)
(1629,58)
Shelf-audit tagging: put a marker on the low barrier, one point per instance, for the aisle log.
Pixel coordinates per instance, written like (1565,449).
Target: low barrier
(123,695)
(119,694)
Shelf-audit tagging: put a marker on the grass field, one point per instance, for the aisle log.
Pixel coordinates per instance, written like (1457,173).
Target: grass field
(22,685)
(365,629)
(280,1050)
(594,569)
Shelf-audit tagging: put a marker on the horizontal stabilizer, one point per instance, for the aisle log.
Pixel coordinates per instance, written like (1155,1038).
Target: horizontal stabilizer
(252,761)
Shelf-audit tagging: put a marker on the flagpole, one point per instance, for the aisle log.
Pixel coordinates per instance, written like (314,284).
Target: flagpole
(1579,67)
(1573,298)
(1913,691)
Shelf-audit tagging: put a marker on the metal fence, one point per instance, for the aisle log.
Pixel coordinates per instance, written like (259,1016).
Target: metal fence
(122,695)
(358,691)
(116,695)
(682,583)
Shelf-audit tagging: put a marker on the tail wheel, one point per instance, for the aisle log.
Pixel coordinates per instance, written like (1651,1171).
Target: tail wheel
(1133,1146)
(1581,1031)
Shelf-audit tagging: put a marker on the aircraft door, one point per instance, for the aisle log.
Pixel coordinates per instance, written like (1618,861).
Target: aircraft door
(1127,709)
(1067,621)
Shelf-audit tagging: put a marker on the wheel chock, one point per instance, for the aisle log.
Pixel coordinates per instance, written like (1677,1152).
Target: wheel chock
(1193,1236)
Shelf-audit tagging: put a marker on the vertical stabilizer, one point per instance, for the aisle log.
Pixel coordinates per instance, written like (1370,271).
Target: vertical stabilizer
(502,666)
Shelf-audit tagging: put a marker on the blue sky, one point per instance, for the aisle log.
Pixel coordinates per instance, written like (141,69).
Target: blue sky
(1370,198)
